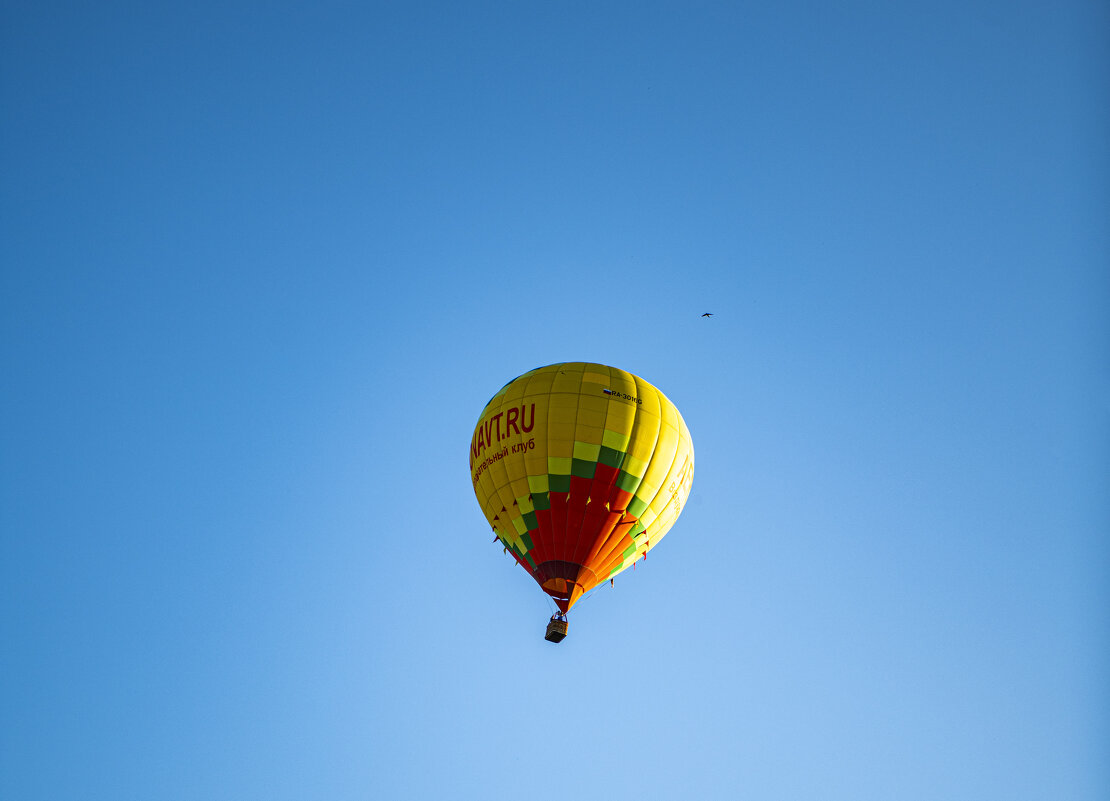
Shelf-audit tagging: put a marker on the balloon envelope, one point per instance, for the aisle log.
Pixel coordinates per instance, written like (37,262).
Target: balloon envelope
(580,469)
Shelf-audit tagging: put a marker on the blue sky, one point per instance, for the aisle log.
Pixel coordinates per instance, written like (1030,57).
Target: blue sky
(264,264)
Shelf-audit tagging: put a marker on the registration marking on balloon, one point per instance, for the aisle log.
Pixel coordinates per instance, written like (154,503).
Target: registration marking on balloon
(580,469)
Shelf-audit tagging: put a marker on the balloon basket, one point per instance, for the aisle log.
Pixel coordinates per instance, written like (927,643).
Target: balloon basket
(556,629)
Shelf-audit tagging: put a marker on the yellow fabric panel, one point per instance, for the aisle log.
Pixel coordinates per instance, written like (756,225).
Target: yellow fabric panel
(622,381)
(589,413)
(660,463)
(560,448)
(513,392)
(558,465)
(589,435)
(535,459)
(667,505)
(649,397)
(496,399)
(515,467)
(593,399)
(509,515)
(645,431)
(676,488)
(634,466)
(561,432)
(535,401)
(562,414)
(567,379)
(593,388)
(534,390)
(487,491)
(619,418)
(513,539)
(665,441)
(586,451)
(502,459)
(520,495)
(563,406)
(499,470)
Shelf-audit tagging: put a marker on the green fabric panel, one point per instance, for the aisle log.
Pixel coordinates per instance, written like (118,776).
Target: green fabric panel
(559,483)
(541,500)
(583,469)
(637,506)
(527,542)
(636,529)
(631,549)
(615,441)
(610,457)
(531,522)
(531,561)
(627,481)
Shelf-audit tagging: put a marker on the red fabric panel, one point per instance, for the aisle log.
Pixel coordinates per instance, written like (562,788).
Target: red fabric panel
(619,499)
(543,538)
(559,524)
(593,525)
(605,532)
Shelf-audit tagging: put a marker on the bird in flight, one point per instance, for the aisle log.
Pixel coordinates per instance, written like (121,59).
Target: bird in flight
(707,314)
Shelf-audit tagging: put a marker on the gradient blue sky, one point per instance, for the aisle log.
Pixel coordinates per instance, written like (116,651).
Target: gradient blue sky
(264,264)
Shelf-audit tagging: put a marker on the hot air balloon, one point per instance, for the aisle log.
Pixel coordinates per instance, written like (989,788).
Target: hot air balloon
(580,469)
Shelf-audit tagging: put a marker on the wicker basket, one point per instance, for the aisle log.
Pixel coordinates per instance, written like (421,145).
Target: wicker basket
(556,630)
